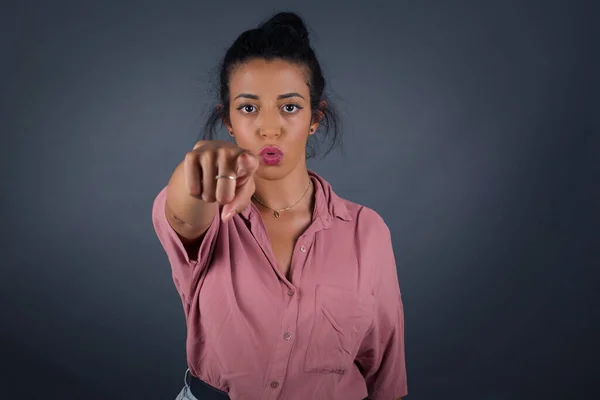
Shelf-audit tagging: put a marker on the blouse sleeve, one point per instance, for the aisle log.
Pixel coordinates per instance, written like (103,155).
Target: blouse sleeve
(186,272)
(381,354)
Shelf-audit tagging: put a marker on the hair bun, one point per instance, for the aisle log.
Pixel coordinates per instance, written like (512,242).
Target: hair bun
(288,21)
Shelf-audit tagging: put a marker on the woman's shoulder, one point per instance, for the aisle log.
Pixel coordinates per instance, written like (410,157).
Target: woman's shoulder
(365,217)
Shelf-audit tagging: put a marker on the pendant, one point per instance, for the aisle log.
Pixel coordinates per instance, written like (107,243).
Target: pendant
(276,214)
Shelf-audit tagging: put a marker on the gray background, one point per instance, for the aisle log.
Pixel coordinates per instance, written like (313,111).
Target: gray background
(470,126)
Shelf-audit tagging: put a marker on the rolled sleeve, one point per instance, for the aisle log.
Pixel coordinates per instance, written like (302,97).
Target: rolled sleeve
(381,354)
(186,272)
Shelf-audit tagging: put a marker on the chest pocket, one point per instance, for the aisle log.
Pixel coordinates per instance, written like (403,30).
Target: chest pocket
(341,319)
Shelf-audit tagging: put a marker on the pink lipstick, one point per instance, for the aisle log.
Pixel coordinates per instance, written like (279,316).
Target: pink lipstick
(271,155)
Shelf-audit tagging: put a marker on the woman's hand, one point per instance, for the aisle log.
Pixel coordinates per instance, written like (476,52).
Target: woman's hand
(212,158)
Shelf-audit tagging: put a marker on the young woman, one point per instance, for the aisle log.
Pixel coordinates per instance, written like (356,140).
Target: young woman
(289,291)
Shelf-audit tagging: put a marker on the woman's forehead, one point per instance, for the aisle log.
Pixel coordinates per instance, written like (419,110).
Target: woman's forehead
(273,76)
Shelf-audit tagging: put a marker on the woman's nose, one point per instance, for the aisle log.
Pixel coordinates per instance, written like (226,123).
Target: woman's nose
(270,125)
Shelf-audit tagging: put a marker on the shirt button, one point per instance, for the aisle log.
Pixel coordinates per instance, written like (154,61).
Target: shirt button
(287,336)
(290,292)
(303,249)
(274,384)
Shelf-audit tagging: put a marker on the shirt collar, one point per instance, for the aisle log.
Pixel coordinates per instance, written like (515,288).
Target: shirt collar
(328,205)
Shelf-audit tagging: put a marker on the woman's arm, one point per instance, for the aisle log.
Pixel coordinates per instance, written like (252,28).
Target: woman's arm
(381,354)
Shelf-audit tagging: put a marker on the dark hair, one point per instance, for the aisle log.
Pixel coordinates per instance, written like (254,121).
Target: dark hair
(283,36)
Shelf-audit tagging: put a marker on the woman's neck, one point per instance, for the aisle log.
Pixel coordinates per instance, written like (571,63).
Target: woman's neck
(281,193)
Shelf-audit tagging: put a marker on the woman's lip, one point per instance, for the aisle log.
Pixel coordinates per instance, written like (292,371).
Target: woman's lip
(271,155)
(271,151)
(271,159)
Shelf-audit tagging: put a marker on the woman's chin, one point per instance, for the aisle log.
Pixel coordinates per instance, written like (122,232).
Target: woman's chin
(272,172)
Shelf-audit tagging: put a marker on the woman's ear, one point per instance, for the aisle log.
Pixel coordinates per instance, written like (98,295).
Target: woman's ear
(225,119)
(318,117)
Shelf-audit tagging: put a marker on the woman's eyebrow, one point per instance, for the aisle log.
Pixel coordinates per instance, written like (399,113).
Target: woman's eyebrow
(246,95)
(288,95)
(281,96)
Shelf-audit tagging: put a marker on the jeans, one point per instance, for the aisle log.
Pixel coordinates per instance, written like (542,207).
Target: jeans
(186,392)
(200,386)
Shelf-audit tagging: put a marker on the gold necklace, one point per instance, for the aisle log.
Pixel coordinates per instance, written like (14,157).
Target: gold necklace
(276,212)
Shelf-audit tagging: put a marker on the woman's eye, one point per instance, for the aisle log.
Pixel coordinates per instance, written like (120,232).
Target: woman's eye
(290,108)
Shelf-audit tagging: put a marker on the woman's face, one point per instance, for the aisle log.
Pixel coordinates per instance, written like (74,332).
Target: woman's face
(270,106)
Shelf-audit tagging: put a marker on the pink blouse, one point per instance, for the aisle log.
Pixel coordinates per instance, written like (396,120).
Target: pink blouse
(334,331)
